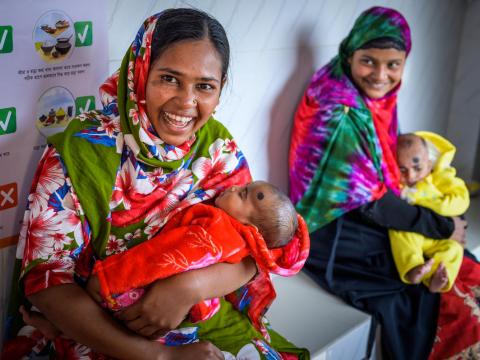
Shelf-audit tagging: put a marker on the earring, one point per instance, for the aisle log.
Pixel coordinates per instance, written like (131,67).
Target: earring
(194,101)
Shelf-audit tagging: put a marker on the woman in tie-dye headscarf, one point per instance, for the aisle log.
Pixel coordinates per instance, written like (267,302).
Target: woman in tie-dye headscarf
(111,181)
(345,180)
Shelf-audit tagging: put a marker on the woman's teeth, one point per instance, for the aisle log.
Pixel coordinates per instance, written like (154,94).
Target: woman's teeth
(377,86)
(177,120)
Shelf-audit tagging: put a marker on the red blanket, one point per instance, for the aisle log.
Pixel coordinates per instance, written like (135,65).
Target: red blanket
(458,328)
(197,237)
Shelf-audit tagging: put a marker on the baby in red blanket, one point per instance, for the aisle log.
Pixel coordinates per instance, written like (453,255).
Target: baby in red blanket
(255,220)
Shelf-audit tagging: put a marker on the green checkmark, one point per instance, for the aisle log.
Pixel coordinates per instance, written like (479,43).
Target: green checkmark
(8,120)
(6,39)
(83,33)
(84,103)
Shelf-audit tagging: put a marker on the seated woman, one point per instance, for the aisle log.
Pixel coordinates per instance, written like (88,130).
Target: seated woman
(345,182)
(113,179)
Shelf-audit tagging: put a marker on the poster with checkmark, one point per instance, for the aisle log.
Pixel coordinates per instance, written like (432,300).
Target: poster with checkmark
(83,33)
(6,39)
(53,59)
(84,104)
(8,121)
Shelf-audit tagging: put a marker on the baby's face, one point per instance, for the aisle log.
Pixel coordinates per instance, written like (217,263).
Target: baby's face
(243,202)
(414,163)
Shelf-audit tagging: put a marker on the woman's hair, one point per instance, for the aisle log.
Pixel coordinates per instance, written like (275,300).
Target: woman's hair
(174,25)
(278,223)
(384,43)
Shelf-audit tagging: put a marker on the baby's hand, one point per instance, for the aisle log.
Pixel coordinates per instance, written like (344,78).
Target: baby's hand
(93,288)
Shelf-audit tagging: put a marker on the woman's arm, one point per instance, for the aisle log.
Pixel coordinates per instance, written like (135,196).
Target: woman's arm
(168,301)
(394,213)
(78,317)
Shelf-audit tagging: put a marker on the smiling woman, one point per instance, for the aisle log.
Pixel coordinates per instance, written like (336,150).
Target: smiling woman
(111,181)
(183,89)
(345,181)
(377,71)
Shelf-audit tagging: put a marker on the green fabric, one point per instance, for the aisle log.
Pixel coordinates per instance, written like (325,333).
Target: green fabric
(373,24)
(92,169)
(230,330)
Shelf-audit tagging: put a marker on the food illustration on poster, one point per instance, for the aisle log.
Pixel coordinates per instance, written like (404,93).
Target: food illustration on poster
(55,107)
(53,57)
(53,35)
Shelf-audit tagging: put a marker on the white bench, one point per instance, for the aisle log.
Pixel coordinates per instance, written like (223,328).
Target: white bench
(310,317)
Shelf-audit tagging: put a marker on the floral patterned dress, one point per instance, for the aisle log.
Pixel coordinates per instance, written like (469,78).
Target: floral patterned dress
(108,183)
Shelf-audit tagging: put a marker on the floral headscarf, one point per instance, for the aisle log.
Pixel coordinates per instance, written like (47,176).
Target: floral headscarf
(141,181)
(343,144)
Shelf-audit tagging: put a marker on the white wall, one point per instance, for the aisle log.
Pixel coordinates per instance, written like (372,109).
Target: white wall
(277,45)
(464,122)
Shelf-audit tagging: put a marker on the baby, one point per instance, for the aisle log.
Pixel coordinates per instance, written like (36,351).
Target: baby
(429,180)
(255,220)
(248,220)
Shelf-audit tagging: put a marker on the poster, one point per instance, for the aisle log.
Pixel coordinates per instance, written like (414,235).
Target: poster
(53,58)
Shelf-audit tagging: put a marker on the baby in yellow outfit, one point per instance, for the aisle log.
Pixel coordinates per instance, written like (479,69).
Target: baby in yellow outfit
(429,180)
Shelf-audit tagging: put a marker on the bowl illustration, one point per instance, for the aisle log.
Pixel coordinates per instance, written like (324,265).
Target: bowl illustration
(63,48)
(47,29)
(53,37)
(60,114)
(55,107)
(62,24)
(47,47)
(64,40)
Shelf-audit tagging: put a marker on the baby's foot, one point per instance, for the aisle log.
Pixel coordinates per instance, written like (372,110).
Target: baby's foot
(418,272)
(439,279)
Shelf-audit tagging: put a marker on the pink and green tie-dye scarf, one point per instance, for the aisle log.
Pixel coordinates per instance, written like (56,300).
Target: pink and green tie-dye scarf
(337,159)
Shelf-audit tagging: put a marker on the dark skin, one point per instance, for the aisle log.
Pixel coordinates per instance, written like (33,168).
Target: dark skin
(89,324)
(181,94)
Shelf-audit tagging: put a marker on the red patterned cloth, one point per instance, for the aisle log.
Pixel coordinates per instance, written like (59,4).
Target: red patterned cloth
(197,237)
(460,314)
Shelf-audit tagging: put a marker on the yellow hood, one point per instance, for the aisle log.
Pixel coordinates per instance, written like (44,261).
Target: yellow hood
(443,150)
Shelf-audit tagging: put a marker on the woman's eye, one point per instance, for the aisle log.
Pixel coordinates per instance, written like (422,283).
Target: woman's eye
(367,61)
(169,79)
(394,65)
(207,87)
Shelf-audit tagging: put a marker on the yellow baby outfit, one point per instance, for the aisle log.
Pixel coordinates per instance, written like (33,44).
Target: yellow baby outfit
(447,195)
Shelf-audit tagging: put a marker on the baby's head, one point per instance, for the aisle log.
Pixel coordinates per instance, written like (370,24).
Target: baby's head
(264,206)
(413,159)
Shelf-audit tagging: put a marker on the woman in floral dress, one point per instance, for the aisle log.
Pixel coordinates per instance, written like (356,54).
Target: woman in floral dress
(112,180)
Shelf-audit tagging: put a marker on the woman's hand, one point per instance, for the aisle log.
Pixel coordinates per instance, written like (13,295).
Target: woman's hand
(163,307)
(459,232)
(199,350)
(40,322)
(167,303)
